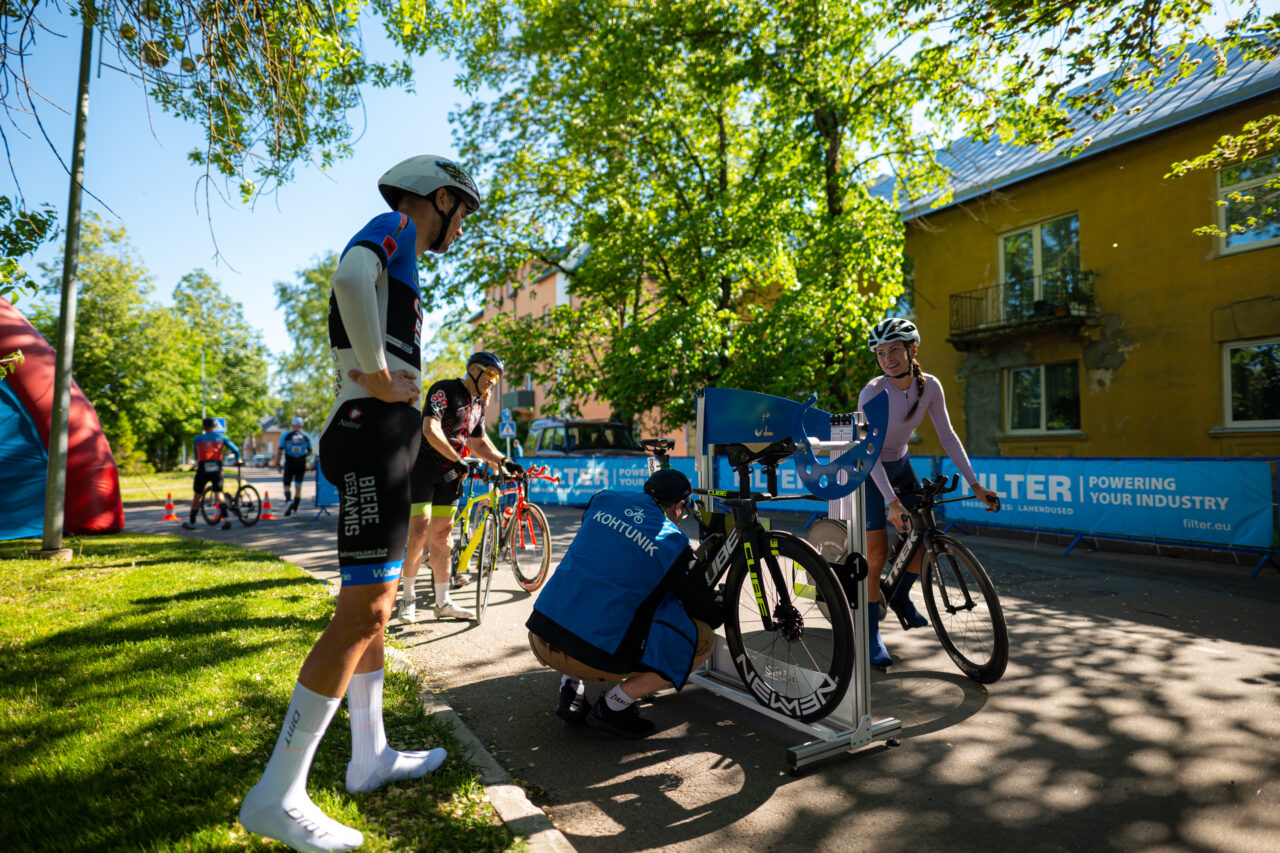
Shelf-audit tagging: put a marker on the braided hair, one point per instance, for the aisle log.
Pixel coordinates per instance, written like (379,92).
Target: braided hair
(919,375)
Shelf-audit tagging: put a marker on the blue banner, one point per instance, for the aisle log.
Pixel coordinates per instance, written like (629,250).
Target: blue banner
(583,476)
(326,492)
(1212,501)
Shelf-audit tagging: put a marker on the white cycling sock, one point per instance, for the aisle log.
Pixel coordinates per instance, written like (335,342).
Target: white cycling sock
(373,763)
(617,699)
(278,806)
(579,687)
(442,594)
(406,588)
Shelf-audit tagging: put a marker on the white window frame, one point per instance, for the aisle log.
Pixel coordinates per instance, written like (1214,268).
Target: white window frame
(1227,418)
(1044,408)
(1037,253)
(1242,187)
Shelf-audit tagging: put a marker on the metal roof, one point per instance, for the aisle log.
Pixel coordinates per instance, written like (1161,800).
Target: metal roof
(978,168)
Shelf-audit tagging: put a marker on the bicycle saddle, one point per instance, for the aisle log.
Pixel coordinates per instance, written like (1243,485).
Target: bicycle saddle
(658,445)
(740,455)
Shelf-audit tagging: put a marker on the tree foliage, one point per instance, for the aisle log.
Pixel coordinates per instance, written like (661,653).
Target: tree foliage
(21,233)
(305,372)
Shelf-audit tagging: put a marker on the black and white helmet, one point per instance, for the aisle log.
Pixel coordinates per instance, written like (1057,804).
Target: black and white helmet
(423,175)
(893,329)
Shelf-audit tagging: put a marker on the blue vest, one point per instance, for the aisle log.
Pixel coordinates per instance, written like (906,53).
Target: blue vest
(608,604)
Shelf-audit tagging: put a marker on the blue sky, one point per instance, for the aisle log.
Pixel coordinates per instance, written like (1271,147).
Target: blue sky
(136,164)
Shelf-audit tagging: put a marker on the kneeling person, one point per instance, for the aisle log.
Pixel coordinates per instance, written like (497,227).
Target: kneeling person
(628,603)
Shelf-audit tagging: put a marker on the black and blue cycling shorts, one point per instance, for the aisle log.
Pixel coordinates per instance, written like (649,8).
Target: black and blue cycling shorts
(208,473)
(295,470)
(367,452)
(905,483)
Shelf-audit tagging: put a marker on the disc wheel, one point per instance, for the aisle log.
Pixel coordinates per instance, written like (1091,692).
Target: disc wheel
(798,662)
(529,546)
(965,611)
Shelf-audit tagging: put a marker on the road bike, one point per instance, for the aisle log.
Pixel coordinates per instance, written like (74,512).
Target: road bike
(474,541)
(245,502)
(526,539)
(961,599)
(788,625)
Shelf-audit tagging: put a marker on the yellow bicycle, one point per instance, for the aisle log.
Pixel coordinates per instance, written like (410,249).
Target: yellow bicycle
(475,536)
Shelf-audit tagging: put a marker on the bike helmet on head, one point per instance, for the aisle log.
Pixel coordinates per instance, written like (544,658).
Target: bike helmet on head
(297,422)
(486,359)
(668,486)
(423,175)
(893,329)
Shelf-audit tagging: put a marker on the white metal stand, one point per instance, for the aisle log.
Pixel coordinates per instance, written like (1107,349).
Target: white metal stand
(850,726)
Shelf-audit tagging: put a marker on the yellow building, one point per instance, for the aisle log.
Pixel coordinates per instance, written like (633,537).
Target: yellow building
(1070,309)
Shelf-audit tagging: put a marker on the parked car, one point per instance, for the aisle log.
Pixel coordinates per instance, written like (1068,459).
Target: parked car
(581,437)
(260,460)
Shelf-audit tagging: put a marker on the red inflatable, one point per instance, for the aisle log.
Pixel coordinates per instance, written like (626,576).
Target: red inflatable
(93,484)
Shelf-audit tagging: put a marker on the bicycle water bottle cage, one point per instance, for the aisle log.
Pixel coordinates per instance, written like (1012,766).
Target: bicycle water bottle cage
(845,473)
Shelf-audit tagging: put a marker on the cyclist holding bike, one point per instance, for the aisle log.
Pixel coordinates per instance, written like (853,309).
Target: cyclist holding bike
(294,447)
(629,603)
(367,447)
(912,393)
(452,421)
(209,448)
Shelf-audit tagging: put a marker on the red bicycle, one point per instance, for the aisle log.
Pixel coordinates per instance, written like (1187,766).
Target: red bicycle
(525,536)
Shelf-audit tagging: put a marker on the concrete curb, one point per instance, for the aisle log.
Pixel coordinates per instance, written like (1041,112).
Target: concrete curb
(521,816)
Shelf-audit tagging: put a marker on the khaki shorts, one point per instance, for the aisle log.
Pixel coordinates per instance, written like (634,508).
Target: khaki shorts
(574,668)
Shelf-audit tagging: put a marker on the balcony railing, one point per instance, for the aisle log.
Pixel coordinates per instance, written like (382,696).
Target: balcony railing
(1043,300)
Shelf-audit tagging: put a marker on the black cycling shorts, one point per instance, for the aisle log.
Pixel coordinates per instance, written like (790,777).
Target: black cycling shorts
(433,484)
(295,470)
(208,473)
(366,452)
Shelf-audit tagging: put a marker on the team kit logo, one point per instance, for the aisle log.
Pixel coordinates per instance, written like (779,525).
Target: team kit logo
(635,514)
(438,401)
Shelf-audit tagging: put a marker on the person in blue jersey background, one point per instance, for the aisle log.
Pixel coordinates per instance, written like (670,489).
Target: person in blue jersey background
(294,449)
(209,448)
(629,603)
(367,446)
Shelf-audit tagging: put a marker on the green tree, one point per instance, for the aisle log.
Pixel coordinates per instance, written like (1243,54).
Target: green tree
(305,373)
(21,233)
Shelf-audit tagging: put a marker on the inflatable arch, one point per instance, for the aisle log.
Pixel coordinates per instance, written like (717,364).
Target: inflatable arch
(26,409)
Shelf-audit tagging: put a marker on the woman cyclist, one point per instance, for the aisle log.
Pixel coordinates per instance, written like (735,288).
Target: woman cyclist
(912,392)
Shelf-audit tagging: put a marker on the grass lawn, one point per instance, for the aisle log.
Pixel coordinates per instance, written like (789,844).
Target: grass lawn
(143,685)
(152,488)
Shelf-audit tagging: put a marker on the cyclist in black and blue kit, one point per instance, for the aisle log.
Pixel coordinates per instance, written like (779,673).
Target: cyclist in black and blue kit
(294,448)
(367,445)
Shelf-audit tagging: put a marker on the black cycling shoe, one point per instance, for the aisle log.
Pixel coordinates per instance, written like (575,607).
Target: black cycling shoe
(573,707)
(226,525)
(626,723)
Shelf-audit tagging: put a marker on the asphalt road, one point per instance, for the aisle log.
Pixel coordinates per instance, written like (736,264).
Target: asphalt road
(1139,713)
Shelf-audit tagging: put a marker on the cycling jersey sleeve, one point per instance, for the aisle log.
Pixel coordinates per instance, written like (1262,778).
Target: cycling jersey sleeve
(353,288)
(947,436)
(232,445)
(689,583)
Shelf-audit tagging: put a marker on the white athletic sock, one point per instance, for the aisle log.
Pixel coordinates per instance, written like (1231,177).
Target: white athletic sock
(278,806)
(442,594)
(373,763)
(617,700)
(577,682)
(406,588)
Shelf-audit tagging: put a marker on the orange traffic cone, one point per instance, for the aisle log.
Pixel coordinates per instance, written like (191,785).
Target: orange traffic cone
(266,508)
(168,508)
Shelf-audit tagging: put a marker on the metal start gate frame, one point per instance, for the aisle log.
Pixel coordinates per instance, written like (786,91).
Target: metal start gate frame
(850,726)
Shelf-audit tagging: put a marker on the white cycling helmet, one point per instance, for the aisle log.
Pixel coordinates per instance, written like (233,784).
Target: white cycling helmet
(423,175)
(297,422)
(893,329)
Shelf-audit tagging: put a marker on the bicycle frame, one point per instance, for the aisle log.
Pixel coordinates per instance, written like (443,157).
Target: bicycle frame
(474,536)
(922,528)
(520,490)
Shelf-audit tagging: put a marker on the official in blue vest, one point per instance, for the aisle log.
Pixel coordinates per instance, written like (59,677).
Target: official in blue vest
(629,602)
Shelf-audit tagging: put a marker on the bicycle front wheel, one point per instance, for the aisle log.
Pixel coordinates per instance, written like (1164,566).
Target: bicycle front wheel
(488,564)
(209,508)
(965,610)
(248,505)
(798,661)
(530,546)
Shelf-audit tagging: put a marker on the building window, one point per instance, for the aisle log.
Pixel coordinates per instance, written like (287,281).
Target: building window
(1042,398)
(1039,267)
(1249,204)
(1251,381)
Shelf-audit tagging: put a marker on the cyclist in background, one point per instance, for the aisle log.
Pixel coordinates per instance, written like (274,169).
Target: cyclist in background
(628,603)
(367,446)
(912,393)
(452,421)
(209,449)
(295,447)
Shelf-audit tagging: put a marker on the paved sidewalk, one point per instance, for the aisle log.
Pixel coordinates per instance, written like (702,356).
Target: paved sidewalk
(1139,713)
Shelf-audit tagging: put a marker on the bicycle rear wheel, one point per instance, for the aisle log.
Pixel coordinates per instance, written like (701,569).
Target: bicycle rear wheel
(802,663)
(529,543)
(965,611)
(488,564)
(209,508)
(248,505)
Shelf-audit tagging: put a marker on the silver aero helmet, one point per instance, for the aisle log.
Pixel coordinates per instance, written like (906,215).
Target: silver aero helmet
(893,329)
(424,174)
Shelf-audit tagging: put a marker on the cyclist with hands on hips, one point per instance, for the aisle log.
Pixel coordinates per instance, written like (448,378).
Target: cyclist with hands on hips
(892,483)
(452,424)
(367,447)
